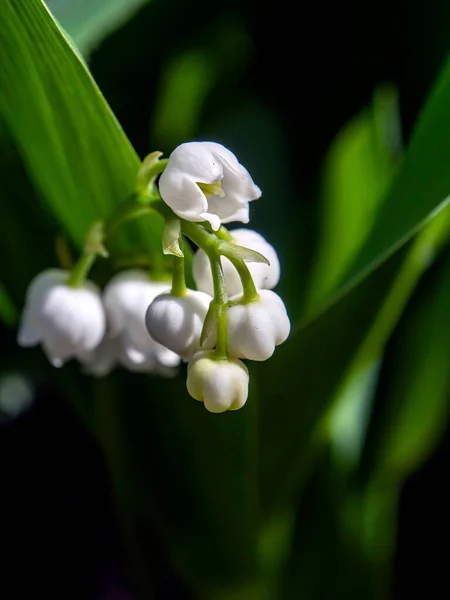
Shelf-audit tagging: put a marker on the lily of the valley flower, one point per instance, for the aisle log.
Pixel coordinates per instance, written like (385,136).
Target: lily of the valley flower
(126,299)
(177,321)
(69,322)
(265,276)
(254,329)
(204,181)
(220,383)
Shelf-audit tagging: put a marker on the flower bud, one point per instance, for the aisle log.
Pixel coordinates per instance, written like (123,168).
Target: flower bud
(176,321)
(220,383)
(126,299)
(254,329)
(204,181)
(69,322)
(265,276)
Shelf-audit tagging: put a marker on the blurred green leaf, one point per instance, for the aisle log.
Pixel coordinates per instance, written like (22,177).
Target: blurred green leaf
(410,414)
(73,147)
(194,76)
(358,170)
(301,379)
(416,395)
(358,387)
(422,183)
(88,22)
(305,372)
(414,401)
(187,81)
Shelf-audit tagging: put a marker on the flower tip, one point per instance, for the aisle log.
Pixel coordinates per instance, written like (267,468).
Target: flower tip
(257,192)
(212,219)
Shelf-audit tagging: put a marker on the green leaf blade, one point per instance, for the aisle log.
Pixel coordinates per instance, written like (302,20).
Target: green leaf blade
(74,149)
(421,185)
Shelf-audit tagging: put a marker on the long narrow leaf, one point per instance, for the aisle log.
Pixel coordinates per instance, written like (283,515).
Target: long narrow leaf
(72,145)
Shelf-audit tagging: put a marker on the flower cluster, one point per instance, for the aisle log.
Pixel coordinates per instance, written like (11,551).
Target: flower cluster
(150,325)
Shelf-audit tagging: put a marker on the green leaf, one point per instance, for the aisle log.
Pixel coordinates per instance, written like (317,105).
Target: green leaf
(187,81)
(301,379)
(422,183)
(358,170)
(27,242)
(303,376)
(74,149)
(415,401)
(88,22)
(357,390)
(198,71)
(410,415)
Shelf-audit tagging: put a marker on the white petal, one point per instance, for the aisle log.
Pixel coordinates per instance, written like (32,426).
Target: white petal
(166,357)
(221,385)
(211,218)
(183,195)
(197,159)
(255,329)
(207,162)
(27,335)
(176,322)
(67,321)
(127,298)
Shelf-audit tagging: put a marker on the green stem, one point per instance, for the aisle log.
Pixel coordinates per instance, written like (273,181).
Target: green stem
(151,167)
(178,277)
(81,269)
(224,234)
(250,292)
(201,238)
(221,304)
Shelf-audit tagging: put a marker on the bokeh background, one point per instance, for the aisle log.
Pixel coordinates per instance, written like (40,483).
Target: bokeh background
(277,84)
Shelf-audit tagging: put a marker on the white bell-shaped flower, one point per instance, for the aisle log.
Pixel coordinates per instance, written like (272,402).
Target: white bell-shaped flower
(177,321)
(254,329)
(221,384)
(126,299)
(111,354)
(265,276)
(69,322)
(204,181)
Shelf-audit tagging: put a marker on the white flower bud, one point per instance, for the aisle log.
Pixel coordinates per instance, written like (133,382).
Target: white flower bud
(221,384)
(204,181)
(254,329)
(265,276)
(68,322)
(126,299)
(177,321)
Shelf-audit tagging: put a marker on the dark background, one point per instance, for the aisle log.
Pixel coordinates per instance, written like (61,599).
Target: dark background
(313,65)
